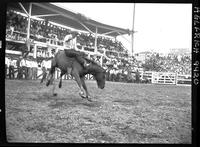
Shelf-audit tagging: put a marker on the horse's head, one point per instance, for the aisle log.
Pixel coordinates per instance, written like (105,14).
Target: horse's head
(97,71)
(100,77)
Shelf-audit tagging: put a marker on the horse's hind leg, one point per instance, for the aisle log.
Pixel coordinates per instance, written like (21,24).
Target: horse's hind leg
(60,83)
(53,90)
(50,75)
(43,77)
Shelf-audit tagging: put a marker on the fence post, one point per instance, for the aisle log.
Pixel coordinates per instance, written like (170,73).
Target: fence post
(165,75)
(176,78)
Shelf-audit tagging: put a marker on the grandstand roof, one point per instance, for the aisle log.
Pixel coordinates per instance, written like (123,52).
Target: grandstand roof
(69,18)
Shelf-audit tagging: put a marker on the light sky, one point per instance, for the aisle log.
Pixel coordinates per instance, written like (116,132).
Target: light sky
(159,27)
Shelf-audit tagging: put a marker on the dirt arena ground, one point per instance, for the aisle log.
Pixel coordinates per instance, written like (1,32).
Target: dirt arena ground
(120,113)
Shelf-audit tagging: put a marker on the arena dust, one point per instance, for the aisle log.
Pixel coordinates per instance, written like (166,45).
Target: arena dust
(120,113)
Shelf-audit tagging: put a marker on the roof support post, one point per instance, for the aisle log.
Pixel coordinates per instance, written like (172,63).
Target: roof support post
(35,51)
(23,8)
(86,27)
(95,41)
(108,32)
(46,15)
(29,25)
(124,37)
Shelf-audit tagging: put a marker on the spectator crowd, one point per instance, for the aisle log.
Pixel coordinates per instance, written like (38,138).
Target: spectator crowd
(180,64)
(45,31)
(20,68)
(117,69)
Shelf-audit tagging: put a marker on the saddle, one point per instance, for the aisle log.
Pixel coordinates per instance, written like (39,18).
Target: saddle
(78,55)
(74,53)
(81,57)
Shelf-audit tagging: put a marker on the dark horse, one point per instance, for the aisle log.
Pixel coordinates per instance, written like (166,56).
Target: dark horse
(71,65)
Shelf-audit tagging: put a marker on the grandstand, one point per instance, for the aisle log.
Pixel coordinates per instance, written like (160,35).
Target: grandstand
(46,32)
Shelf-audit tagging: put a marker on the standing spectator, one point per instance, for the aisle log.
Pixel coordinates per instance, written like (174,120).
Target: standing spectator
(19,75)
(34,69)
(46,65)
(44,70)
(29,67)
(15,67)
(26,68)
(7,64)
(119,75)
(115,74)
(11,69)
(137,76)
(125,74)
(23,66)
(112,74)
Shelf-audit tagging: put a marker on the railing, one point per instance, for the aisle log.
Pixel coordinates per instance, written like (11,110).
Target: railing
(146,75)
(20,37)
(166,78)
(183,79)
(163,78)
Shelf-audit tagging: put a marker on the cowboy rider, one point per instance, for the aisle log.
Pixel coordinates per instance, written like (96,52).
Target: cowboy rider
(70,43)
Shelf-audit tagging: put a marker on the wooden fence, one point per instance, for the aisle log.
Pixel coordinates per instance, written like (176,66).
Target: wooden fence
(166,78)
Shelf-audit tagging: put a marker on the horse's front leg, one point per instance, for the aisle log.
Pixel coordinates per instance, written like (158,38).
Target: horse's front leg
(78,81)
(54,87)
(49,79)
(85,88)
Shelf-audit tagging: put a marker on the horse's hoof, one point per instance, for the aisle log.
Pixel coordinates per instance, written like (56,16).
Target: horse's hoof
(48,82)
(55,94)
(81,95)
(89,99)
(59,85)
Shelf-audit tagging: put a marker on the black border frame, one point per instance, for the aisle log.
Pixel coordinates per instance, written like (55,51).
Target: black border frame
(195,58)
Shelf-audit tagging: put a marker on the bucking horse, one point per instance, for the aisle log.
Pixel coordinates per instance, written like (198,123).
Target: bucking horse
(70,65)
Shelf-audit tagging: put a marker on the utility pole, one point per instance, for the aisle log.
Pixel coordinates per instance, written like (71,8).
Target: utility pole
(132,33)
